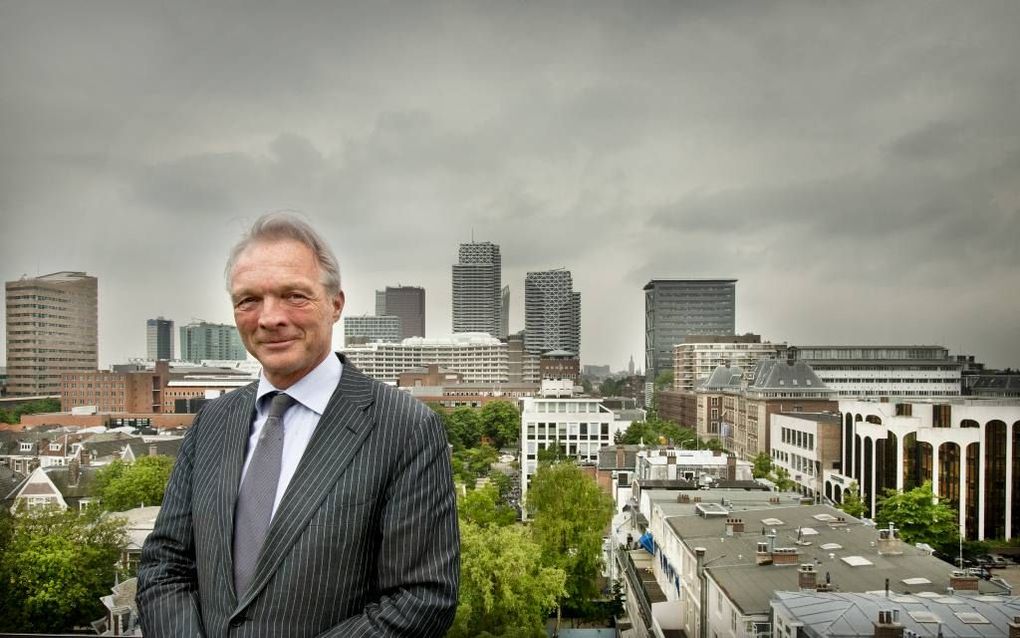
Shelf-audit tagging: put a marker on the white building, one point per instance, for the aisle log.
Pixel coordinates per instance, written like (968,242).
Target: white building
(580,426)
(805,445)
(702,466)
(479,357)
(968,448)
(884,371)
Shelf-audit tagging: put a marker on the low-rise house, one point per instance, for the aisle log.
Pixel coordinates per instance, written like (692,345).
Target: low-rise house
(71,487)
(719,569)
(814,614)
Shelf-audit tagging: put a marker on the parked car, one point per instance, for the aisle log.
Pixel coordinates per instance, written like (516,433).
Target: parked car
(998,562)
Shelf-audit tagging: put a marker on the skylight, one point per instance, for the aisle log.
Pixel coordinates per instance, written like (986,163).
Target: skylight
(971,618)
(825,518)
(772,521)
(916,581)
(924,616)
(808,531)
(856,561)
(831,546)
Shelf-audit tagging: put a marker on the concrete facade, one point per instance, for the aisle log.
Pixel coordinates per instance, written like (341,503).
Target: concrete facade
(51,329)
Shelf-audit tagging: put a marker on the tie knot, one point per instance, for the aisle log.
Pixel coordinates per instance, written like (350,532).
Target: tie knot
(279,403)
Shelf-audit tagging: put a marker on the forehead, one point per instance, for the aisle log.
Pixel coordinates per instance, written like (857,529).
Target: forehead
(274,261)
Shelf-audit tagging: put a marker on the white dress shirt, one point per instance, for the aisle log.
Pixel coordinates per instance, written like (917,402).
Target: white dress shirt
(311,394)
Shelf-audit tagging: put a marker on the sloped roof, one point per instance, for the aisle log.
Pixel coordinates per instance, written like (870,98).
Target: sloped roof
(164,447)
(854,614)
(723,377)
(780,376)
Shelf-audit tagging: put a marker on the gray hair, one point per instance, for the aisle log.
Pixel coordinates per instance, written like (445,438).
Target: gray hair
(285,226)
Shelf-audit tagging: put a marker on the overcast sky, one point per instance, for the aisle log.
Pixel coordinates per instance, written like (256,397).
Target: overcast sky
(855,165)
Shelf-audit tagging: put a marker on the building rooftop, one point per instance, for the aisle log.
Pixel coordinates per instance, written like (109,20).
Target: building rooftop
(845,553)
(817,417)
(776,375)
(854,614)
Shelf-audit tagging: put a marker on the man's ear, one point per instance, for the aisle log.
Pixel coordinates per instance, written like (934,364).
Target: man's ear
(338,305)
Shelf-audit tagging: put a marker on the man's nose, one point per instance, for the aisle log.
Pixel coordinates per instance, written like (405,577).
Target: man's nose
(273,314)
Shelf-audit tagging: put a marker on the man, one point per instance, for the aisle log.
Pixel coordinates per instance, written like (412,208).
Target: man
(314,502)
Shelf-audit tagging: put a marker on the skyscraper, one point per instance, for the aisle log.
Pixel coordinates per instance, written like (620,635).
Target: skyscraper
(406,302)
(201,340)
(477,281)
(676,308)
(159,339)
(552,312)
(51,329)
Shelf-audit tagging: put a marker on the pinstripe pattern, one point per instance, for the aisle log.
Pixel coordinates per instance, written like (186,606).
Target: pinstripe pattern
(364,542)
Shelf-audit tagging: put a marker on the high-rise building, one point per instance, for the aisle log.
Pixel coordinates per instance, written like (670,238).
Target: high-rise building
(405,302)
(159,339)
(676,308)
(369,328)
(477,284)
(201,341)
(51,329)
(504,313)
(552,312)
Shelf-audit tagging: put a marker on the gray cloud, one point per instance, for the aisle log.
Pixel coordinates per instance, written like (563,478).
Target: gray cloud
(856,167)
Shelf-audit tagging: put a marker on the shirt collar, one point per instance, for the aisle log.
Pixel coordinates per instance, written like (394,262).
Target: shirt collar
(313,390)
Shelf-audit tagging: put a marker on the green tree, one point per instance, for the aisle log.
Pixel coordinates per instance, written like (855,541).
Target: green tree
(762,465)
(470,464)
(484,507)
(920,516)
(501,422)
(781,477)
(444,416)
(465,428)
(38,406)
(570,513)
(852,503)
(505,590)
(122,486)
(54,567)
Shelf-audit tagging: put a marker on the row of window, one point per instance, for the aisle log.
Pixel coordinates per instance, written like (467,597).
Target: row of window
(804,440)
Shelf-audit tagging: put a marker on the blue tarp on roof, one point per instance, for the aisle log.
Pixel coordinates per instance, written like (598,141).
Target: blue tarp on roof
(647,542)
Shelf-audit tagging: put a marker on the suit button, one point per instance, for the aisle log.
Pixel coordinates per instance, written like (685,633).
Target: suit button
(237,622)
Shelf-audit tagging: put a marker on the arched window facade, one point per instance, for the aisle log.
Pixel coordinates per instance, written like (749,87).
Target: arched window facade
(995,480)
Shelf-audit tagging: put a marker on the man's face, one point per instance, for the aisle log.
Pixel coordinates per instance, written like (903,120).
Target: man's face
(282,310)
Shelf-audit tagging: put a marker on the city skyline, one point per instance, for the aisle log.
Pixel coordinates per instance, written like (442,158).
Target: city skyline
(856,167)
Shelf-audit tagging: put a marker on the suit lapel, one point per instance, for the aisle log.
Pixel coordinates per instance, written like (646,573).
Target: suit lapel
(236,431)
(337,438)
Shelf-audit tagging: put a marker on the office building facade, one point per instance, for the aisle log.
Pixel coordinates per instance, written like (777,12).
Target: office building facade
(478,357)
(477,289)
(202,341)
(552,313)
(369,328)
(678,308)
(907,372)
(699,356)
(51,329)
(405,302)
(159,339)
(968,448)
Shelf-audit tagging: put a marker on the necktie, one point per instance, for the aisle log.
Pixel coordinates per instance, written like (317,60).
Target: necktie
(254,509)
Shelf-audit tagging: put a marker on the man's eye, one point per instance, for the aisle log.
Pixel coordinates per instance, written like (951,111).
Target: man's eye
(245,303)
(297,297)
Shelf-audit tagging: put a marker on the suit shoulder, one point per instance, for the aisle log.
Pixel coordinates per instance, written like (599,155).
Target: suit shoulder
(390,402)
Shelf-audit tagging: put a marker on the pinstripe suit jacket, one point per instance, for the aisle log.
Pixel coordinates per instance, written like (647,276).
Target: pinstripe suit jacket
(364,542)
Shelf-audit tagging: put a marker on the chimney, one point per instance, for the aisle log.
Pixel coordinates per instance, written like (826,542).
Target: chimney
(152,450)
(889,542)
(785,556)
(960,581)
(73,472)
(734,526)
(683,498)
(731,467)
(887,626)
(807,577)
(1014,627)
(763,556)
(620,457)
(671,473)
(697,499)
